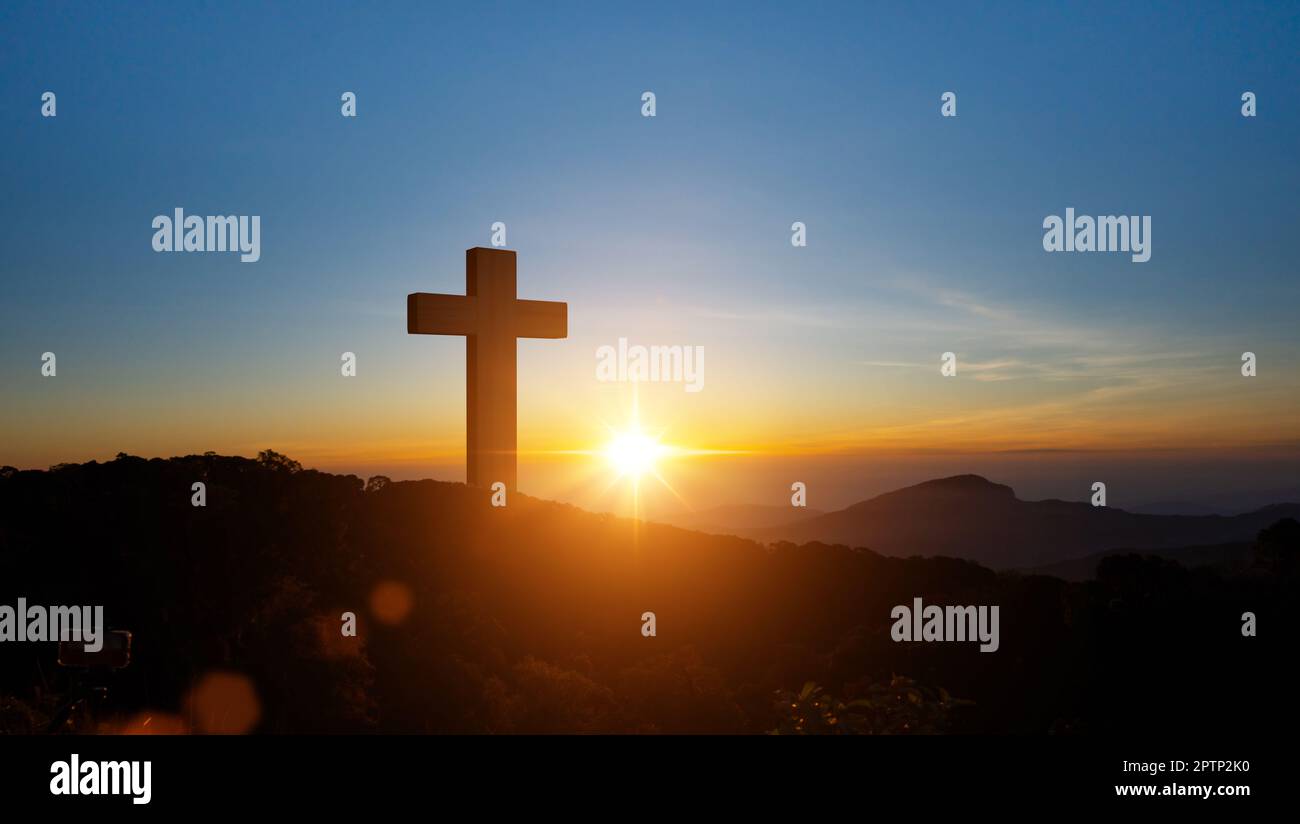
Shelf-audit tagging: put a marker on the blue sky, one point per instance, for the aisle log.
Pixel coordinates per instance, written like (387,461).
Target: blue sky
(924,232)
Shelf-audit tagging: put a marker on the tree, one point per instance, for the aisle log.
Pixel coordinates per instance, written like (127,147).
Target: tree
(281,463)
(1278,546)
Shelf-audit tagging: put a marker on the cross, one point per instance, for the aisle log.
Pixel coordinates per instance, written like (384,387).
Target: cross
(491,318)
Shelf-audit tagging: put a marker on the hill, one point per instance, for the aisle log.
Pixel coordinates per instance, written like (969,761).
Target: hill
(529,618)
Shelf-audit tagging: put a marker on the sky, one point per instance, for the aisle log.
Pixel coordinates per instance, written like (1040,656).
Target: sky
(924,236)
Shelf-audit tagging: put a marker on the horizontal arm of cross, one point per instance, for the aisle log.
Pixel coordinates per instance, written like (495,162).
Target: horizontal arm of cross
(429,314)
(432,314)
(541,319)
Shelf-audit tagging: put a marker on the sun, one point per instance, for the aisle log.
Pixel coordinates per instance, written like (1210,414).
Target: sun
(634,453)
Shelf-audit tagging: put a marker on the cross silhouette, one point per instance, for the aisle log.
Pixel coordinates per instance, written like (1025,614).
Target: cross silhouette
(491,318)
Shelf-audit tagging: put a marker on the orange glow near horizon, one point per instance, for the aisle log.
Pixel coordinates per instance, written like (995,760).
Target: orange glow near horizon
(763,420)
(411,420)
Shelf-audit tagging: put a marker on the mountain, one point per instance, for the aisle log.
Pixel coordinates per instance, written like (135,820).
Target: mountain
(727,520)
(967,516)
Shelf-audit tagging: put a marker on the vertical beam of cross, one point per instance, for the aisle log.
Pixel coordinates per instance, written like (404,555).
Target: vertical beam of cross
(491,318)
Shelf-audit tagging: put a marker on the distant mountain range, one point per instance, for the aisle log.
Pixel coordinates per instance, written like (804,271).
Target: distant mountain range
(1225,502)
(968,516)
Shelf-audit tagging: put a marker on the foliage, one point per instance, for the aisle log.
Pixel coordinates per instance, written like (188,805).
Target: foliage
(897,707)
(274,460)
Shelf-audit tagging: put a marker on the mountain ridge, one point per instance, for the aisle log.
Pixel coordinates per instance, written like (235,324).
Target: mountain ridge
(971,517)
